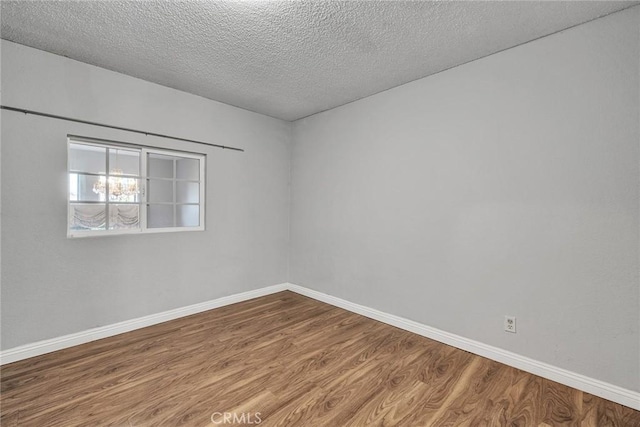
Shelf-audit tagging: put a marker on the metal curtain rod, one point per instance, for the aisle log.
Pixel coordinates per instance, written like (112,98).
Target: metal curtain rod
(86,122)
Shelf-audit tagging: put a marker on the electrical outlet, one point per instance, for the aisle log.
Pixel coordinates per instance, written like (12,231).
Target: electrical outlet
(510,324)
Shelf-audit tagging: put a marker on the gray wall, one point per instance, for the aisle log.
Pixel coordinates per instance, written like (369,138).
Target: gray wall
(508,185)
(52,285)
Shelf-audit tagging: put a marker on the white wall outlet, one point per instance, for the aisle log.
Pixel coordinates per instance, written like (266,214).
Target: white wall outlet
(510,324)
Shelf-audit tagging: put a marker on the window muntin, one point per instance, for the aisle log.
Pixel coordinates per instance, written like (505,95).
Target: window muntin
(116,189)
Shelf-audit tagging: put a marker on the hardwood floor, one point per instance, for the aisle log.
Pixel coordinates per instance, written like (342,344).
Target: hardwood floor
(285,360)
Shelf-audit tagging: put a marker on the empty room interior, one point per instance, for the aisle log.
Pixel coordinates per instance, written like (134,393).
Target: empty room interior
(320,213)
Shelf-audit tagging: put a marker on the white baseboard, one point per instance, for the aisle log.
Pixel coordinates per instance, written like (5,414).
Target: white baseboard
(596,387)
(59,343)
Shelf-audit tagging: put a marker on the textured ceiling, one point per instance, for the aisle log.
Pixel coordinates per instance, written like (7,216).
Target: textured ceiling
(282,58)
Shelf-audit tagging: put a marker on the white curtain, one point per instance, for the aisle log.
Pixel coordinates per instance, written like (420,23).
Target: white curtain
(94,216)
(124,216)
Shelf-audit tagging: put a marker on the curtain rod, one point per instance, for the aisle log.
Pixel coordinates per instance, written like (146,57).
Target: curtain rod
(86,122)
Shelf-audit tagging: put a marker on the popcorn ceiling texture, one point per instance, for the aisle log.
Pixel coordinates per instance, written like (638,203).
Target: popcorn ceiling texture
(286,59)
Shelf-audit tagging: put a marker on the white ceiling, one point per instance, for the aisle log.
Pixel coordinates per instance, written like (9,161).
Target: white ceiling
(286,59)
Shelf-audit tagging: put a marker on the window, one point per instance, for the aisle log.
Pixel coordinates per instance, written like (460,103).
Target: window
(121,189)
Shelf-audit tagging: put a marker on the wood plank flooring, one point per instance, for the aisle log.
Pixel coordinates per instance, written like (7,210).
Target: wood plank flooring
(285,360)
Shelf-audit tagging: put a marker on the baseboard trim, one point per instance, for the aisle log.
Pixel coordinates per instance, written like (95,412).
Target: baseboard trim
(596,387)
(47,346)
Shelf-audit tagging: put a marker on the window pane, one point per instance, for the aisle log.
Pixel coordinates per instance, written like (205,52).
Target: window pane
(160,166)
(124,162)
(87,216)
(187,192)
(124,216)
(86,188)
(87,158)
(160,190)
(188,169)
(123,189)
(73,186)
(188,215)
(159,216)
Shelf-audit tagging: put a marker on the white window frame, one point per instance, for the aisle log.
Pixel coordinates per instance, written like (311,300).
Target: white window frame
(144,178)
